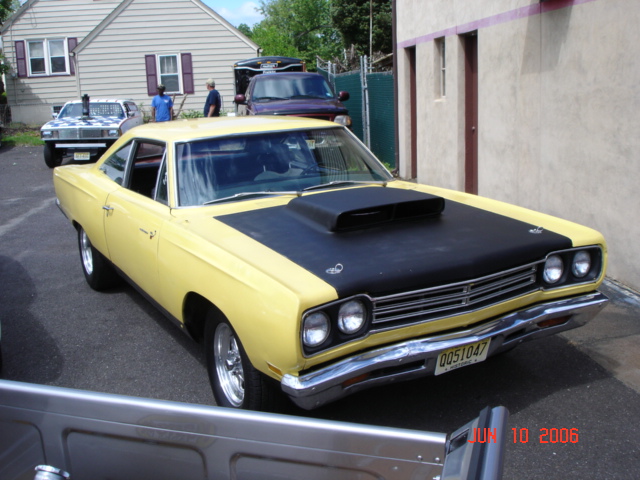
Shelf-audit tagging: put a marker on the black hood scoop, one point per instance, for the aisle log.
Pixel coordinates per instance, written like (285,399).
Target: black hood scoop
(358,208)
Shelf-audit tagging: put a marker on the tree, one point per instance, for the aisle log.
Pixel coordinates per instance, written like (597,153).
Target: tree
(352,19)
(297,28)
(7,7)
(246,29)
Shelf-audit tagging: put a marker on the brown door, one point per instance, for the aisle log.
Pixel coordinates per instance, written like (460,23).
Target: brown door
(411,52)
(471,113)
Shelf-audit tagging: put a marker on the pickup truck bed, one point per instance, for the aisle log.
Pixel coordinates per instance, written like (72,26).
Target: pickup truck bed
(101,436)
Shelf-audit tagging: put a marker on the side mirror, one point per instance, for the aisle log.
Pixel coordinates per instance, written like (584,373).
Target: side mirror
(240,99)
(343,96)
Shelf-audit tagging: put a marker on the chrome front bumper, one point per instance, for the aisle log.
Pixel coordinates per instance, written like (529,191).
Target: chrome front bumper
(417,358)
(82,145)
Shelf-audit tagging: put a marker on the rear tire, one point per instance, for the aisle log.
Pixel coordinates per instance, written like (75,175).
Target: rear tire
(234,381)
(98,271)
(52,157)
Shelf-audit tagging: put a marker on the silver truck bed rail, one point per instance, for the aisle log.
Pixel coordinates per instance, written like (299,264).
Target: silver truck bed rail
(102,436)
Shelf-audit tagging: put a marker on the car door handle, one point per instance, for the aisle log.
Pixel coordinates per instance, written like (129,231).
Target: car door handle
(151,234)
(107,208)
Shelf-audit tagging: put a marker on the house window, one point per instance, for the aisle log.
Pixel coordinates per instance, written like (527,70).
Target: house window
(174,71)
(48,57)
(169,73)
(441,68)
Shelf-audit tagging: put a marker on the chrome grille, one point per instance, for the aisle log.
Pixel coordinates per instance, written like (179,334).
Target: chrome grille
(85,133)
(79,133)
(438,302)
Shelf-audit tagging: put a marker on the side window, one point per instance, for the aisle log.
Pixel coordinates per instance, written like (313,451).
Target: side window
(131,107)
(162,194)
(145,165)
(114,166)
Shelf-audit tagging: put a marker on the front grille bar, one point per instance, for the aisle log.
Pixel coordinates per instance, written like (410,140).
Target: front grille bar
(438,302)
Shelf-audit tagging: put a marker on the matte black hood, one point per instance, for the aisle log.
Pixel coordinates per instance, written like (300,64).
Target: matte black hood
(389,240)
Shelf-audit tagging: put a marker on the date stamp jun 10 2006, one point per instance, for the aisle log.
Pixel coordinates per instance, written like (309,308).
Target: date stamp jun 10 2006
(521,435)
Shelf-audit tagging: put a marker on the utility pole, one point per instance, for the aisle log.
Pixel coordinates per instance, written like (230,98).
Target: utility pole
(370,28)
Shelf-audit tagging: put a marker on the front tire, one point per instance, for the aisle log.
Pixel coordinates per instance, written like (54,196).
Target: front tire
(98,271)
(52,157)
(234,381)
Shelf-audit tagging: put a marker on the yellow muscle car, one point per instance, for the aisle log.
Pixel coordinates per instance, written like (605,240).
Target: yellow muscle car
(304,267)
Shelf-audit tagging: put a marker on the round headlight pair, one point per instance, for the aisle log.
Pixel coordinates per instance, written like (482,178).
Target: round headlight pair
(554,266)
(317,325)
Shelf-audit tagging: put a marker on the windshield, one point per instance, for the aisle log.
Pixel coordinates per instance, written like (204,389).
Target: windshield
(98,109)
(272,163)
(277,86)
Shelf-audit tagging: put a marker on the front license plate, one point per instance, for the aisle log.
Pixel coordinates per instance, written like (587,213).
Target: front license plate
(81,156)
(462,356)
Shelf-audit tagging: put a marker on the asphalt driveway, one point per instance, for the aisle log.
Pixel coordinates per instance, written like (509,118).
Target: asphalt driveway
(57,331)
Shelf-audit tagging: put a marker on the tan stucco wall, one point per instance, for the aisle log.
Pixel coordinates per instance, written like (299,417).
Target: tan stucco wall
(558,122)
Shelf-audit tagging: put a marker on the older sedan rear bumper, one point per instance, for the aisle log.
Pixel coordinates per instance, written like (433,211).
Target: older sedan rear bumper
(417,358)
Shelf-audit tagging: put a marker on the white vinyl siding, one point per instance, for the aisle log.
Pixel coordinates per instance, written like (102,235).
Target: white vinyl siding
(152,27)
(111,51)
(48,19)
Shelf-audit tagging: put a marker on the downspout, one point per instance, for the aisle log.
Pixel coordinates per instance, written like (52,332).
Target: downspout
(74,59)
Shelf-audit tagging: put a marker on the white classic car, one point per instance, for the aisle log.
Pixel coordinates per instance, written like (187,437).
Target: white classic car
(85,129)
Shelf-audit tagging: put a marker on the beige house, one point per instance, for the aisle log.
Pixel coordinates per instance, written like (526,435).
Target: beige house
(61,50)
(528,101)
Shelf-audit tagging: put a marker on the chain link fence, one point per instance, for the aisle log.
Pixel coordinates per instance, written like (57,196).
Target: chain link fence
(371,106)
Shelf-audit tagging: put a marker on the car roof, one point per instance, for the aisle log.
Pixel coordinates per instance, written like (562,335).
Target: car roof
(103,100)
(286,75)
(194,129)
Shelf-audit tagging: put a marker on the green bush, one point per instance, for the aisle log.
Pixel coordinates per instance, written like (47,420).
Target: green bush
(20,135)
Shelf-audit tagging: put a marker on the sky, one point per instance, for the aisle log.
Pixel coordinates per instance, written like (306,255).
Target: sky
(236,12)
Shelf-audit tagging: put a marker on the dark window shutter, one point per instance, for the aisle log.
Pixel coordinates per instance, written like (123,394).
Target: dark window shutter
(21,59)
(152,75)
(71,44)
(187,73)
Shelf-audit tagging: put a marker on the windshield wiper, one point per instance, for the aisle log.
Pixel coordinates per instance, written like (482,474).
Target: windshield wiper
(345,182)
(236,196)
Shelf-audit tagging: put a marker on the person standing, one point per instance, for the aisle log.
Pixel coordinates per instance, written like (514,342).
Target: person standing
(161,106)
(212,105)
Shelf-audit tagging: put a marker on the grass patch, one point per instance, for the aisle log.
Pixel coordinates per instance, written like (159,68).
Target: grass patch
(19,135)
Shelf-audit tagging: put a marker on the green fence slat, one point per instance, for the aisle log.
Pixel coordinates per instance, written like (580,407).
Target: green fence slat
(381,110)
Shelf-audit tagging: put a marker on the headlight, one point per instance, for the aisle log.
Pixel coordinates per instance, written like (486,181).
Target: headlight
(48,134)
(351,317)
(315,329)
(112,133)
(343,120)
(581,264)
(553,269)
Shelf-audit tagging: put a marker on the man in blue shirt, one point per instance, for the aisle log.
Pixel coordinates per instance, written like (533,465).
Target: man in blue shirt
(161,106)
(212,105)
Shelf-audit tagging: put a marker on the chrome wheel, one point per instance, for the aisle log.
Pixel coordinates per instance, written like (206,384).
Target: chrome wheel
(228,364)
(86,253)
